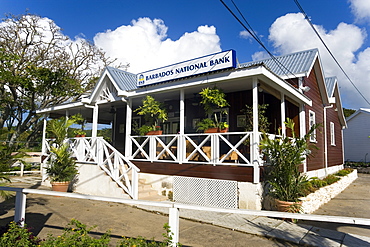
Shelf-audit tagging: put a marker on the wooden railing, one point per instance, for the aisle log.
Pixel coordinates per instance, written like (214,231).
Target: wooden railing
(214,148)
(98,151)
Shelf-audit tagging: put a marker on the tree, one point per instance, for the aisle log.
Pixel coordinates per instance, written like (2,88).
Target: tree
(40,67)
(348,112)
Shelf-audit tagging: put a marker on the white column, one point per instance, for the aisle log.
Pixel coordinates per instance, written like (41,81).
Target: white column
(181,141)
(43,150)
(283,115)
(182,112)
(256,140)
(174,224)
(94,131)
(20,208)
(128,143)
(302,129)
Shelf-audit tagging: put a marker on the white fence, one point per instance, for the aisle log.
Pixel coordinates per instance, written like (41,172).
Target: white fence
(173,209)
(210,148)
(97,150)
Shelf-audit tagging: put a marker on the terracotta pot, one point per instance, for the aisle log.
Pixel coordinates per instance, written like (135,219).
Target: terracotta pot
(60,186)
(216,130)
(154,132)
(292,207)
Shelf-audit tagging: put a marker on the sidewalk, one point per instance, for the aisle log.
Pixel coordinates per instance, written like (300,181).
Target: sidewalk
(52,213)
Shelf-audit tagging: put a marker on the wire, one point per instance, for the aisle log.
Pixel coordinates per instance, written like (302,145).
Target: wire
(255,36)
(327,48)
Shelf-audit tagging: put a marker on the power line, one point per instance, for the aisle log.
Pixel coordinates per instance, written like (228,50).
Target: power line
(255,36)
(327,48)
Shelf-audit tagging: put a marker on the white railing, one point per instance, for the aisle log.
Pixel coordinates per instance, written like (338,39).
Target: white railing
(173,209)
(214,148)
(97,150)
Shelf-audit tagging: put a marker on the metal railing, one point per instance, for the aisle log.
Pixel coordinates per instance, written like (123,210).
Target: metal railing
(97,150)
(173,209)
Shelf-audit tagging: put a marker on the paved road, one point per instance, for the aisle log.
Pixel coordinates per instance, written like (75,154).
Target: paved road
(49,214)
(354,201)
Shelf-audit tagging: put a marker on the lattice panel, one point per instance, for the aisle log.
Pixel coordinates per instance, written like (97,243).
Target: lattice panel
(205,192)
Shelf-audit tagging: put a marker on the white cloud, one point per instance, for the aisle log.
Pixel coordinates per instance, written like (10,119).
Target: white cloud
(144,44)
(245,35)
(260,55)
(292,33)
(361,9)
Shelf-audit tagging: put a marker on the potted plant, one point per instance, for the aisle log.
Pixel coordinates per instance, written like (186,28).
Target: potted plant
(154,113)
(62,166)
(214,103)
(285,155)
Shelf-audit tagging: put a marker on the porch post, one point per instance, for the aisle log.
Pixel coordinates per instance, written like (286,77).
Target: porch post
(43,150)
(181,141)
(283,115)
(255,138)
(302,129)
(128,143)
(94,131)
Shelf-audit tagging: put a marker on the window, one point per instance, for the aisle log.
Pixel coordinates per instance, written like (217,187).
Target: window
(221,113)
(312,122)
(332,134)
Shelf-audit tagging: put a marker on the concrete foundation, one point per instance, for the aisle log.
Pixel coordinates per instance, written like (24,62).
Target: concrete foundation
(250,195)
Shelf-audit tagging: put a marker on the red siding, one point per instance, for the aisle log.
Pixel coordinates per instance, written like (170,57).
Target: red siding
(335,153)
(316,160)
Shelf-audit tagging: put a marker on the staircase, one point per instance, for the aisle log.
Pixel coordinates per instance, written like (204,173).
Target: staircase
(147,193)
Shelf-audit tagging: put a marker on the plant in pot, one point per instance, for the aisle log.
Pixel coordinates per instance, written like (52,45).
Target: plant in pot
(285,154)
(62,166)
(214,103)
(154,113)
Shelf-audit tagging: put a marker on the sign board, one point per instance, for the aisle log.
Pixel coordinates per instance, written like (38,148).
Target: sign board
(214,62)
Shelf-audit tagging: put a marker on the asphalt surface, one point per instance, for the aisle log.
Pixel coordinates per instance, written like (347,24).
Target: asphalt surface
(49,214)
(354,201)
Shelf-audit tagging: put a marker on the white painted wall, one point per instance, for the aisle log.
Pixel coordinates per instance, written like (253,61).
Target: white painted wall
(356,138)
(93,181)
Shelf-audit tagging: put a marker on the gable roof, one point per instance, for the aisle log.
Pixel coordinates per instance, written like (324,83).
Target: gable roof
(331,82)
(290,65)
(361,110)
(126,81)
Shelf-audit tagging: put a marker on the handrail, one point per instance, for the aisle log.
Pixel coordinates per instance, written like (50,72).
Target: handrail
(109,159)
(203,148)
(173,209)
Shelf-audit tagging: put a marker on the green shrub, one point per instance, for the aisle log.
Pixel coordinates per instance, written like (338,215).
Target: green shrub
(141,242)
(330,179)
(318,183)
(15,235)
(344,172)
(76,234)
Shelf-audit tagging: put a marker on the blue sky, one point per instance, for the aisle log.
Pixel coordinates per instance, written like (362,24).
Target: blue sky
(172,31)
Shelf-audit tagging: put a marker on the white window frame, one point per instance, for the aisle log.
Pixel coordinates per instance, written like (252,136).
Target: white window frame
(312,122)
(332,133)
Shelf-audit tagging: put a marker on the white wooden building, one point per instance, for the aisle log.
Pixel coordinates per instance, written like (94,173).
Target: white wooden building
(356,136)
